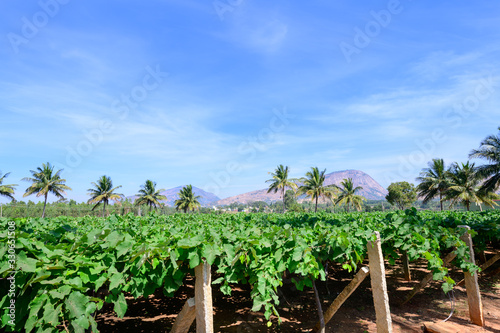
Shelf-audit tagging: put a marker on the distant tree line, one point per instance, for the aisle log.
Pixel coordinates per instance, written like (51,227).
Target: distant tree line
(462,184)
(459,185)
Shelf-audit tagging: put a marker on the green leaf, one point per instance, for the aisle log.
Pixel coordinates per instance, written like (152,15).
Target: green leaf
(91,308)
(113,239)
(60,292)
(26,264)
(100,281)
(194,259)
(210,252)
(123,248)
(76,304)
(37,303)
(120,306)
(191,241)
(51,314)
(115,280)
(82,321)
(30,323)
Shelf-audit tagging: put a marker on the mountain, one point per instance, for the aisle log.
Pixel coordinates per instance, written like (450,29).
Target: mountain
(371,189)
(172,195)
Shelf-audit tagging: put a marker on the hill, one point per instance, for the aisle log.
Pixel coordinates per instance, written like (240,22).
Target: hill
(371,189)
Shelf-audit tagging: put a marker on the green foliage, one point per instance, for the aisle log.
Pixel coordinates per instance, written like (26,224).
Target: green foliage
(401,194)
(187,200)
(489,150)
(465,187)
(44,181)
(434,181)
(103,192)
(67,268)
(149,195)
(347,195)
(280,182)
(314,186)
(6,190)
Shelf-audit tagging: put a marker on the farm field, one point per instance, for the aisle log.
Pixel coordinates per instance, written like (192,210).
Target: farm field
(298,312)
(103,273)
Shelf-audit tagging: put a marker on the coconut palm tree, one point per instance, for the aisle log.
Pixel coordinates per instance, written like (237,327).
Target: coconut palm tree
(433,181)
(280,182)
(6,190)
(187,200)
(348,195)
(489,150)
(44,181)
(465,187)
(103,192)
(149,195)
(313,185)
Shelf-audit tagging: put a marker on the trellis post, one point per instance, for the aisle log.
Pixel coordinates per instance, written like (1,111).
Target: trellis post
(379,286)
(472,285)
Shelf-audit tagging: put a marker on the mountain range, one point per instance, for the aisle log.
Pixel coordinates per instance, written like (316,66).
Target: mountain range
(371,190)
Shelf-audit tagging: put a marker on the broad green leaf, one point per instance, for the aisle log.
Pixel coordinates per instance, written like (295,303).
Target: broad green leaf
(76,304)
(120,306)
(26,264)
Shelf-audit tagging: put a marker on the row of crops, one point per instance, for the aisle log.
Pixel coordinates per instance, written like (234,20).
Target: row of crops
(57,273)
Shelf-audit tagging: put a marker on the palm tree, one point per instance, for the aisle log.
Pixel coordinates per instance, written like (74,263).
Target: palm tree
(187,200)
(465,187)
(149,195)
(103,192)
(45,181)
(313,186)
(6,190)
(280,182)
(433,181)
(490,151)
(348,195)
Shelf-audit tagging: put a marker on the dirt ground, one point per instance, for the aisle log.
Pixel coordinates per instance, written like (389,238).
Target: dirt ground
(298,310)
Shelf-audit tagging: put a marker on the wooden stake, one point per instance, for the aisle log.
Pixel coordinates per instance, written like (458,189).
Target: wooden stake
(449,258)
(203,299)
(406,266)
(320,309)
(379,286)
(185,318)
(484,266)
(341,298)
(472,286)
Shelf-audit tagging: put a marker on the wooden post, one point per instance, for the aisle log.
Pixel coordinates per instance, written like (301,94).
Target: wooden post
(379,286)
(348,290)
(185,318)
(203,299)
(320,309)
(472,285)
(484,266)
(406,266)
(428,277)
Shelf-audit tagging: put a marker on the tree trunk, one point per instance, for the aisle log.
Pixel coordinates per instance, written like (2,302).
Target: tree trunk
(320,309)
(283,199)
(316,207)
(441,200)
(467,204)
(103,208)
(44,205)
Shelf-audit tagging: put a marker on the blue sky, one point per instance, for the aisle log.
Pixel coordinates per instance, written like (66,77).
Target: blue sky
(218,93)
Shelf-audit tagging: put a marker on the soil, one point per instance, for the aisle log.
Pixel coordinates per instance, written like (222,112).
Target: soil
(298,309)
